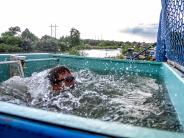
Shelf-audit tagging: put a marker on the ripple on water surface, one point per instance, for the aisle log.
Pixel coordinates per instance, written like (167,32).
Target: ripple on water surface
(131,99)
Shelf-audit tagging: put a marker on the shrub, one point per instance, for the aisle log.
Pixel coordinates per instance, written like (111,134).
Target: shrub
(9,48)
(74,51)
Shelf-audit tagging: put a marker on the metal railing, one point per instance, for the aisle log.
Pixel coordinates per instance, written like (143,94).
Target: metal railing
(18,62)
(140,53)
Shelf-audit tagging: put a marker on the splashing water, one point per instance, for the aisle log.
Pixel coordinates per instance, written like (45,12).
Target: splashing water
(131,99)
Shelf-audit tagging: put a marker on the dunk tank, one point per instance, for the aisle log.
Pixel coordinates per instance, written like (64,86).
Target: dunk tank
(112,98)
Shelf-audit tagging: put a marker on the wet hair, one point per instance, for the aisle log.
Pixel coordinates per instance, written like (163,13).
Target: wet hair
(54,74)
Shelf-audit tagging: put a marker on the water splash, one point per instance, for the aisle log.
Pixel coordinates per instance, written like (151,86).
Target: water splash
(125,98)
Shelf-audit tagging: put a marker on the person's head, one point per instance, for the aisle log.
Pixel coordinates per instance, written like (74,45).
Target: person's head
(61,77)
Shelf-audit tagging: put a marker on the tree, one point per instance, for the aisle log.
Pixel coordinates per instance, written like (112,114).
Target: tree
(5,34)
(1,40)
(63,46)
(27,35)
(14,30)
(9,48)
(11,40)
(75,37)
(47,37)
(47,44)
(9,37)
(28,40)
(26,45)
(64,43)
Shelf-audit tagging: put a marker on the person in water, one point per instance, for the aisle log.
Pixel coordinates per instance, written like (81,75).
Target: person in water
(60,78)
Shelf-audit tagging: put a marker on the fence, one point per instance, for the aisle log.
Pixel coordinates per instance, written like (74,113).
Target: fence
(170,39)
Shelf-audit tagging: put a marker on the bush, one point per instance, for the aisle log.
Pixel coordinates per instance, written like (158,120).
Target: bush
(74,51)
(121,57)
(47,44)
(11,40)
(9,48)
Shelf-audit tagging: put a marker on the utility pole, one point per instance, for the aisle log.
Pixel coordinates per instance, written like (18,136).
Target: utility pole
(53,31)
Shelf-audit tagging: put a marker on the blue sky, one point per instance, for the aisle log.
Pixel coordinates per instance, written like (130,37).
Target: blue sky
(122,20)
